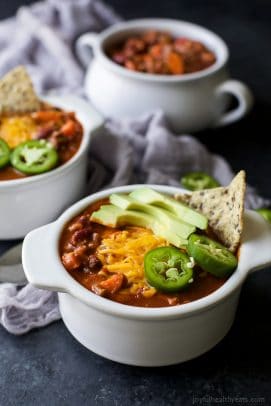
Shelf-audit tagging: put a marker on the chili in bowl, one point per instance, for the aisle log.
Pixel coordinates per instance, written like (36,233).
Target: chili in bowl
(161,53)
(96,299)
(37,142)
(171,65)
(43,153)
(133,265)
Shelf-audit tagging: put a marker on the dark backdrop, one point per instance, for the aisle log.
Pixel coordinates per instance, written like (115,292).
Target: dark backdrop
(47,366)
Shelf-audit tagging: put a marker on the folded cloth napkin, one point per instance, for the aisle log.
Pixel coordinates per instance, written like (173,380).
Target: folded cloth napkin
(42,37)
(126,151)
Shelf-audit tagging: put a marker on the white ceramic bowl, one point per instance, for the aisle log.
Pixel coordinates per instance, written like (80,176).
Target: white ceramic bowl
(191,102)
(29,202)
(136,335)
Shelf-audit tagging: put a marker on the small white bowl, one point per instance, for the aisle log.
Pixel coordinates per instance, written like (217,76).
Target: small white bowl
(29,202)
(137,335)
(191,102)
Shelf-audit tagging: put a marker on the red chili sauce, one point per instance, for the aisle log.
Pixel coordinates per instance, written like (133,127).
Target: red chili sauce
(78,244)
(160,53)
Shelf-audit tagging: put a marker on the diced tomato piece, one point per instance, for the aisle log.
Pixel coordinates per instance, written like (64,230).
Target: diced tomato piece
(113,283)
(46,115)
(68,129)
(71,261)
(175,63)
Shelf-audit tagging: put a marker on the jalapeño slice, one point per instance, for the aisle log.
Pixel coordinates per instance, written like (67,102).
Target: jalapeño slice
(34,157)
(4,153)
(198,181)
(266,213)
(211,256)
(168,269)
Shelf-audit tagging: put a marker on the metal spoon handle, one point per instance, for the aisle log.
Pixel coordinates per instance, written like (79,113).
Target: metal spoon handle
(12,274)
(11,269)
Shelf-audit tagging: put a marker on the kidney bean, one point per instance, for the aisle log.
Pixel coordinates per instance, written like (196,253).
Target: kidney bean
(118,57)
(44,132)
(136,43)
(81,235)
(57,139)
(94,263)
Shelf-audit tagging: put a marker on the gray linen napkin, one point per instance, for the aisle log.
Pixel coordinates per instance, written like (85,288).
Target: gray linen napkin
(127,151)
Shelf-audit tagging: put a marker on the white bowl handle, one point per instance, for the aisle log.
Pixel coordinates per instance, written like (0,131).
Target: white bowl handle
(85,47)
(257,239)
(41,262)
(244,97)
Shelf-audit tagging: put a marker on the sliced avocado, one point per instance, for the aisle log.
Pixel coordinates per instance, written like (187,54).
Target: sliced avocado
(107,215)
(170,236)
(163,217)
(112,216)
(183,212)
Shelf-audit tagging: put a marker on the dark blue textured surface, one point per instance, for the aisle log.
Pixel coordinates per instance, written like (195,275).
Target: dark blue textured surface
(48,367)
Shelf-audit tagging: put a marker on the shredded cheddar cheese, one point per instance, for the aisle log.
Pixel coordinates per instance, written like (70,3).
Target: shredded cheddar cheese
(18,129)
(124,251)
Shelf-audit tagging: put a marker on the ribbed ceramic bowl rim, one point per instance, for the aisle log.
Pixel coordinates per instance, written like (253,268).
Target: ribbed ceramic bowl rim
(222,53)
(127,311)
(6,184)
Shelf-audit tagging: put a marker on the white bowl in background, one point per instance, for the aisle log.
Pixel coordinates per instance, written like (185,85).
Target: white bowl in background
(137,335)
(30,202)
(191,102)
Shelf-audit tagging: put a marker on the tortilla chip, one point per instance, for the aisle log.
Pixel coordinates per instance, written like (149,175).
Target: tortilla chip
(224,208)
(17,94)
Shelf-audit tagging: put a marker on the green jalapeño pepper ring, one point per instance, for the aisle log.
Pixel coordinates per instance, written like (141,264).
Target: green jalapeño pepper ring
(168,269)
(198,181)
(211,256)
(34,157)
(4,153)
(266,213)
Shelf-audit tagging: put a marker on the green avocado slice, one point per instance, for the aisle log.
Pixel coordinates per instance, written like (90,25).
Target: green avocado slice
(163,217)
(180,210)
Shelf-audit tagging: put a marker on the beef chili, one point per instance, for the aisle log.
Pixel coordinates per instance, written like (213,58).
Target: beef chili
(159,52)
(92,252)
(36,142)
